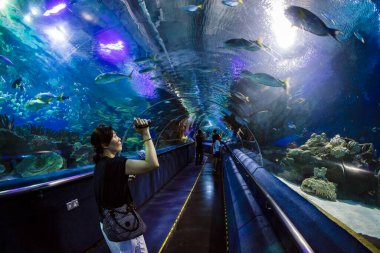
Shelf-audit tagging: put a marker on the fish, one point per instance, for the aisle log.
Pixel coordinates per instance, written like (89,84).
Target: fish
(238,43)
(122,109)
(206,69)
(146,70)
(35,104)
(45,97)
(192,8)
(375,129)
(359,37)
(111,77)
(155,77)
(232,3)
(308,21)
(6,60)
(297,101)
(240,96)
(291,125)
(265,79)
(61,97)
(285,141)
(3,98)
(17,84)
(145,59)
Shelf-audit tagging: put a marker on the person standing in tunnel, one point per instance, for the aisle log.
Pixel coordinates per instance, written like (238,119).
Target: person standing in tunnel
(214,135)
(111,178)
(216,150)
(199,147)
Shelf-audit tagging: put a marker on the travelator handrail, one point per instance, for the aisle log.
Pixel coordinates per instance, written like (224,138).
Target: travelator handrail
(57,182)
(301,242)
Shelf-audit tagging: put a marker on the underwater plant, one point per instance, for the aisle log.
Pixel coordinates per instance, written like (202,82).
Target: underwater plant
(6,123)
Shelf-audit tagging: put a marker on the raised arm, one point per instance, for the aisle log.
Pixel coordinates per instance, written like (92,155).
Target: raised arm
(134,167)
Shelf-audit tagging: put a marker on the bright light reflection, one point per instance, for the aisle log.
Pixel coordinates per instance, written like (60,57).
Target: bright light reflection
(27,18)
(35,11)
(56,34)
(55,9)
(284,32)
(3,3)
(87,16)
(107,48)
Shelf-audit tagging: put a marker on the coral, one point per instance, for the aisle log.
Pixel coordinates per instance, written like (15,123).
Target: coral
(12,144)
(339,152)
(294,152)
(60,135)
(41,143)
(337,141)
(354,147)
(38,165)
(82,154)
(317,140)
(320,188)
(6,123)
(320,173)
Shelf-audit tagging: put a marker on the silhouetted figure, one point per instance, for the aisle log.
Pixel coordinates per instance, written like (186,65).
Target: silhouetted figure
(217,153)
(199,138)
(214,135)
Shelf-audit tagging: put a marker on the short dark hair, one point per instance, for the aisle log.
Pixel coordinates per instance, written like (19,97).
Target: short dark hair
(215,130)
(102,134)
(199,131)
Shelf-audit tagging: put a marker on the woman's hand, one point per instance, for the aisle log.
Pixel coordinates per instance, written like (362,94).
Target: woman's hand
(141,126)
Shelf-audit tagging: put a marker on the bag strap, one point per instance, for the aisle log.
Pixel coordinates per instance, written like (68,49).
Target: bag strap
(127,193)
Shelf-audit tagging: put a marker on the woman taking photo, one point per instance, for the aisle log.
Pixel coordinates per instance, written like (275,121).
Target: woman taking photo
(112,192)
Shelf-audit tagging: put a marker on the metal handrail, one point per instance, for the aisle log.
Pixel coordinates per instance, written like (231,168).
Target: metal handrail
(301,242)
(45,185)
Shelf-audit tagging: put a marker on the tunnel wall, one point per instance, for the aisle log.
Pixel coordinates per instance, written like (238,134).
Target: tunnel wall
(39,221)
(321,233)
(248,228)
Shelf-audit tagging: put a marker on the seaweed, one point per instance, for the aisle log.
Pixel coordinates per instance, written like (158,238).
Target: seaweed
(6,123)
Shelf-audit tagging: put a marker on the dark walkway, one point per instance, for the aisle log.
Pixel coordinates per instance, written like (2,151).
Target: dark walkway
(201,227)
(162,210)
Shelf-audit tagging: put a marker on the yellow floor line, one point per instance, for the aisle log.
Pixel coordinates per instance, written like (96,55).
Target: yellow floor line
(225,212)
(180,213)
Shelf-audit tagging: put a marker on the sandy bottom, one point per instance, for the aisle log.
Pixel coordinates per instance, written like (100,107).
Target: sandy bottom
(359,217)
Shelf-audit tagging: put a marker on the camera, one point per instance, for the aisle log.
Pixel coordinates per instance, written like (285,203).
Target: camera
(143,126)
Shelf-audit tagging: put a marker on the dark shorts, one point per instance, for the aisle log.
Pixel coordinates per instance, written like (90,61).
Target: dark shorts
(217,154)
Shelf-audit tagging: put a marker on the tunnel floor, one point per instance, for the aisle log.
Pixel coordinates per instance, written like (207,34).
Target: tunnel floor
(201,225)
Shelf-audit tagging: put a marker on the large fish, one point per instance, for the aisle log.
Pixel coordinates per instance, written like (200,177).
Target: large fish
(45,97)
(111,77)
(308,21)
(250,45)
(6,60)
(192,8)
(238,43)
(146,70)
(232,3)
(265,79)
(145,59)
(17,84)
(35,104)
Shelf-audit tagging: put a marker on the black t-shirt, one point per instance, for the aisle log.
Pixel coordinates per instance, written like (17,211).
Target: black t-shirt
(111,182)
(199,139)
(214,137)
